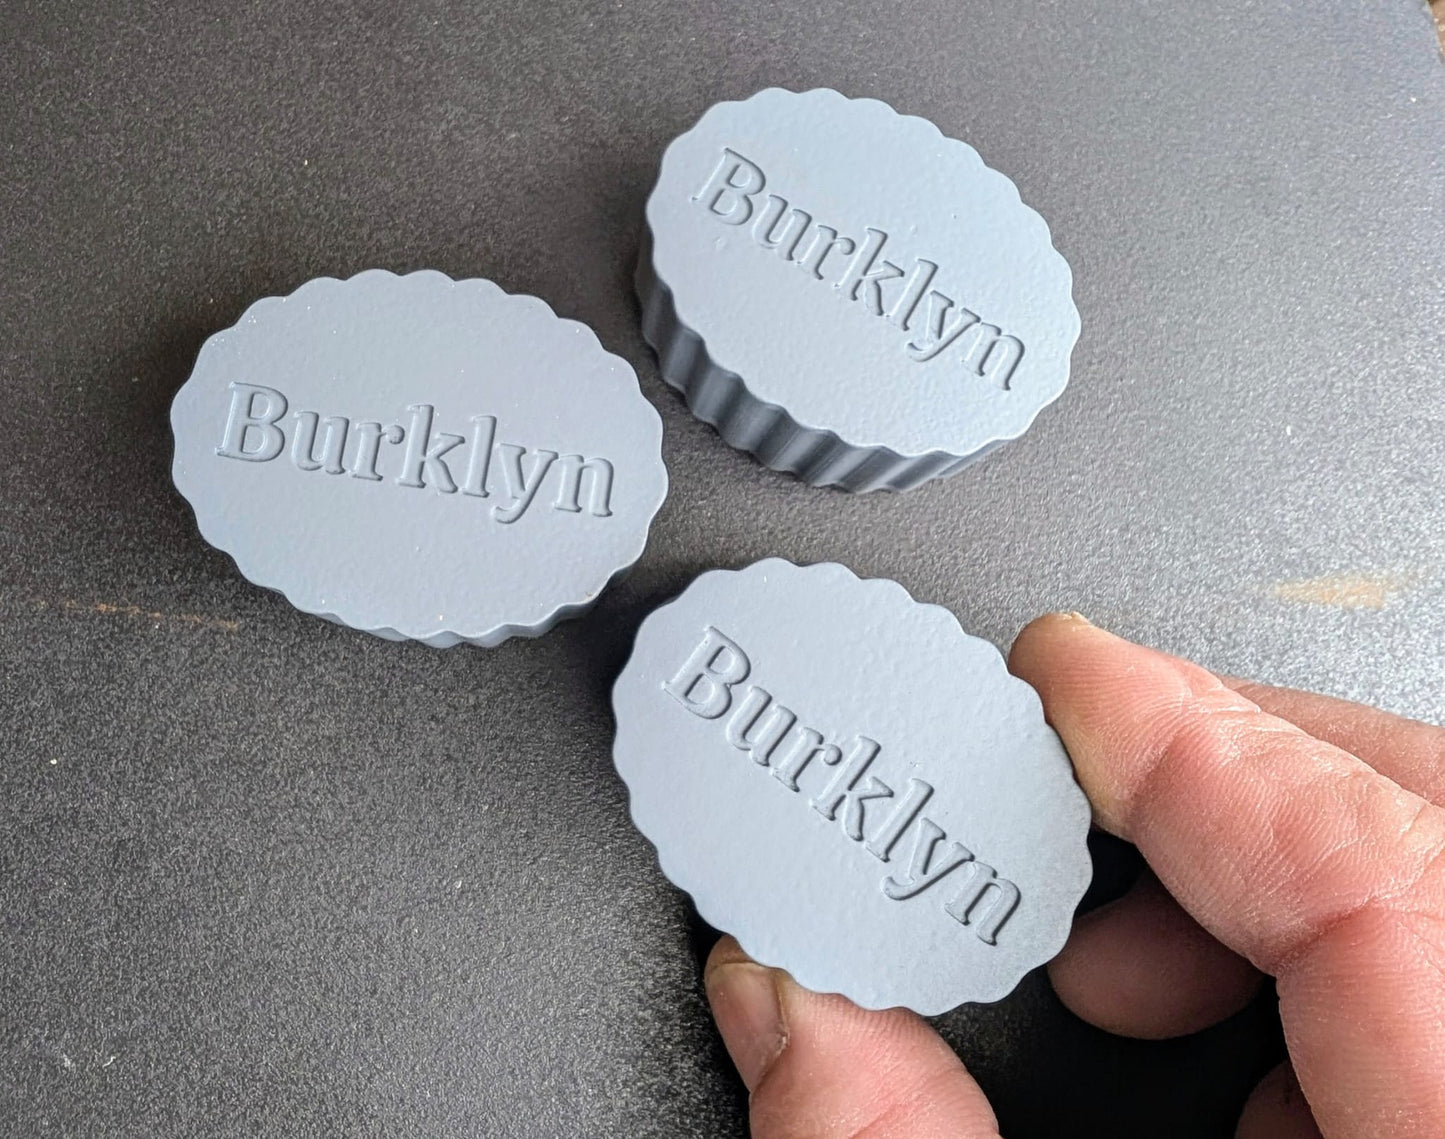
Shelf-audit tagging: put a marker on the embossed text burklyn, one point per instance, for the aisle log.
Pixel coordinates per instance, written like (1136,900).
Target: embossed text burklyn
(707,685)
(904,298)
(256,426)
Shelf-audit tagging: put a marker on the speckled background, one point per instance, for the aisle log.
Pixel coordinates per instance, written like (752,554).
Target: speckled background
(262,875)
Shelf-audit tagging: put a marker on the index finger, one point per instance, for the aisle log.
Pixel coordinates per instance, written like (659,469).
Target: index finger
(1410,752)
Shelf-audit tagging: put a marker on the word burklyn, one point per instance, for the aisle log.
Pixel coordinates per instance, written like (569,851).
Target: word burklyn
(254,434)
(731,194)
(770,733)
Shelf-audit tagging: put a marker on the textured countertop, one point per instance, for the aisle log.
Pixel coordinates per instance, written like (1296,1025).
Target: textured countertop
(263,875)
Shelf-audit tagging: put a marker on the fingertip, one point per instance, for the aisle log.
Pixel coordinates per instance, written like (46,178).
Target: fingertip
(726,951)
(1057,648)
(817,1064)
(747,1008)
(1034,638)
(1277,1109)
(1112,701)
(1069,661)
(1142,967)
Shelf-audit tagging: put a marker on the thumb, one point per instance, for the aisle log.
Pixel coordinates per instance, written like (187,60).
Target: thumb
(819,1067)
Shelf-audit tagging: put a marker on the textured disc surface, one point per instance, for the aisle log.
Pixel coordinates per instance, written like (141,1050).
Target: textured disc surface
(851,785)
(419,457)
(850,294)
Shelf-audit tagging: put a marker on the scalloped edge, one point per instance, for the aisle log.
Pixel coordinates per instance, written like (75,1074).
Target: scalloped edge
(750,420)
(721,399)
(811,978)
(437,636)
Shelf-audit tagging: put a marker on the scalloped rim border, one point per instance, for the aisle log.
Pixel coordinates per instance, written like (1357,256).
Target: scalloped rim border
(812,978)
(439,636)
(914,123)
(821,453)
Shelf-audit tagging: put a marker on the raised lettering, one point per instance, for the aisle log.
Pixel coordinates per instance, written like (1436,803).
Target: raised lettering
(1000,358)
(725,184)
(423,464)
(479,461)
(599,484)
(863,273)
(731,194)
(773,736)
(244,419)
(521,485)
(923,871)
(806,745)
(369,435)
(714,667)
(917,794)
(981,880)
(937,332)
(913,289)
(303,443)
(825,240)
(843,789)
(765,229)
(743,730)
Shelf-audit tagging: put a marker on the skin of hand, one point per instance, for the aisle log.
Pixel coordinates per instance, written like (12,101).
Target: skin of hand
(1286,834)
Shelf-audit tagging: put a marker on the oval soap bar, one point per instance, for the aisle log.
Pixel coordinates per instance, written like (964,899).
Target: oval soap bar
(419,457)
(850,785)
(848,294)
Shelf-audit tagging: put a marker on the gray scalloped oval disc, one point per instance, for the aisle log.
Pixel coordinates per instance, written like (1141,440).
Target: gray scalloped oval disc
(856,789)
(848,294)
(419,457)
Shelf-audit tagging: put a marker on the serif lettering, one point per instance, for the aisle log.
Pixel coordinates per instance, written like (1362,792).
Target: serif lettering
(905,298)
(884,820)
(413,455)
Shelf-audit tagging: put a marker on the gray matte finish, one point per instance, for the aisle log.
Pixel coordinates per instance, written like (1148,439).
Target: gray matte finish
(231,834)
(851,785)
(419,457)
(848,294)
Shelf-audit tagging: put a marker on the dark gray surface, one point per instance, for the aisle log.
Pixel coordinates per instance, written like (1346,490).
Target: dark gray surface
(261,875)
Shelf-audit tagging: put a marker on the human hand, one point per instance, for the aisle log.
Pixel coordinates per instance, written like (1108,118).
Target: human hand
(1287,834)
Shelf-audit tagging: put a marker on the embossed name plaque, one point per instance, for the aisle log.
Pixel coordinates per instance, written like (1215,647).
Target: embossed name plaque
(419,457)
(851,785)
(848,294)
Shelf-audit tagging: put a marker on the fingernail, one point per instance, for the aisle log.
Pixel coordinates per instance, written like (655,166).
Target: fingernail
(744,999)
(1074,615)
